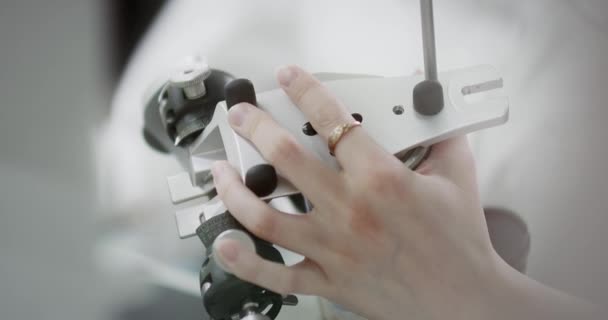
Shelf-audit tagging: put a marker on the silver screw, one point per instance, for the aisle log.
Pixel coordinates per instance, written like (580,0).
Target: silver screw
(191,79)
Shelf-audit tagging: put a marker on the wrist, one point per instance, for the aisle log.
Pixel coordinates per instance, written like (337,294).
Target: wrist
(494,290)
(517,296)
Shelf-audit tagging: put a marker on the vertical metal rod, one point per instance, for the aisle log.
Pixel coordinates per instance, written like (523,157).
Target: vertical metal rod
(428,39)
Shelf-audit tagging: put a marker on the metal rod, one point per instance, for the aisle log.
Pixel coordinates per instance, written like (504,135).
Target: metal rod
(428,39)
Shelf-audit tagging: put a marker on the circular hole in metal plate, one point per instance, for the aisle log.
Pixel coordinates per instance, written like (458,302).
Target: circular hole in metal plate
(398,109)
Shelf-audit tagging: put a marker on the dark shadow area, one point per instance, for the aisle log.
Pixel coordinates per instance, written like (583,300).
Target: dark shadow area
(128,21)
(163,304)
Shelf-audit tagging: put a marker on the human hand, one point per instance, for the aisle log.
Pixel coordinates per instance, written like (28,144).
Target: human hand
(382,240)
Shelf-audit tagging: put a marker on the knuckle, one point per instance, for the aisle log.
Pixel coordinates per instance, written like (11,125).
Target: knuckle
(364,221)
(227,187)
(254,124)
(386,178)
(263,224)
(304,89)
(285,149)
(327,116)
(325,111)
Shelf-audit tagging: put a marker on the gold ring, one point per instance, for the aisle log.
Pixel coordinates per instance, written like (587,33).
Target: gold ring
(337,134)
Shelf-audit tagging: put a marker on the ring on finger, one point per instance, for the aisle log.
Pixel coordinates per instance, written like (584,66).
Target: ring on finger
(337,133)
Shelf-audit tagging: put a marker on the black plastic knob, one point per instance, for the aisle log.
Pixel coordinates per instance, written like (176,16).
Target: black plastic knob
(428,97)
(261,179)
(240,90)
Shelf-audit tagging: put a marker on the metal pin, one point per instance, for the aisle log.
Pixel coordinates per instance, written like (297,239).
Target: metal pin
(428,39)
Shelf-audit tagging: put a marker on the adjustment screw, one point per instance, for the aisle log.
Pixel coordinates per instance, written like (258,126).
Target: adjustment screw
(191,79)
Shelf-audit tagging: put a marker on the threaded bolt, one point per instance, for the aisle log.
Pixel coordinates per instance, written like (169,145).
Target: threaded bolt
(191,79)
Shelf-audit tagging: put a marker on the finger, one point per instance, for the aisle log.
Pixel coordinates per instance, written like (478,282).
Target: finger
(248,266)
(281,149)
(326,113)
(294,232)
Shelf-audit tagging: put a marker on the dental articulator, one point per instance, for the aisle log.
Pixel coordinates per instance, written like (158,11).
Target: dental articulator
(187,117)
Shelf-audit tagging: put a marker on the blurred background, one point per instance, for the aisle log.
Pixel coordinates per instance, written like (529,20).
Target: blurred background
(60,66)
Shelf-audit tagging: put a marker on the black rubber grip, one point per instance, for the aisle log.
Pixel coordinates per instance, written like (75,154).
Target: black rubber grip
(210,229)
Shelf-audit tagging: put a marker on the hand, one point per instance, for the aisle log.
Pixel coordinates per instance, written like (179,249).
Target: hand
(382,240)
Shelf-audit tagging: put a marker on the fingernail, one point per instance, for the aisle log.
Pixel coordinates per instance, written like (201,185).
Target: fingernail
(237,114)
(228,250)
(285,75)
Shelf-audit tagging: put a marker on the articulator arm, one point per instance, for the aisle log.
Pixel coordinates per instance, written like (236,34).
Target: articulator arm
(188,118)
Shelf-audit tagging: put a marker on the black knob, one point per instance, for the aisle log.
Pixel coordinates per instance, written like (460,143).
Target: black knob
(261,179)
(428,97)
(240,90)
